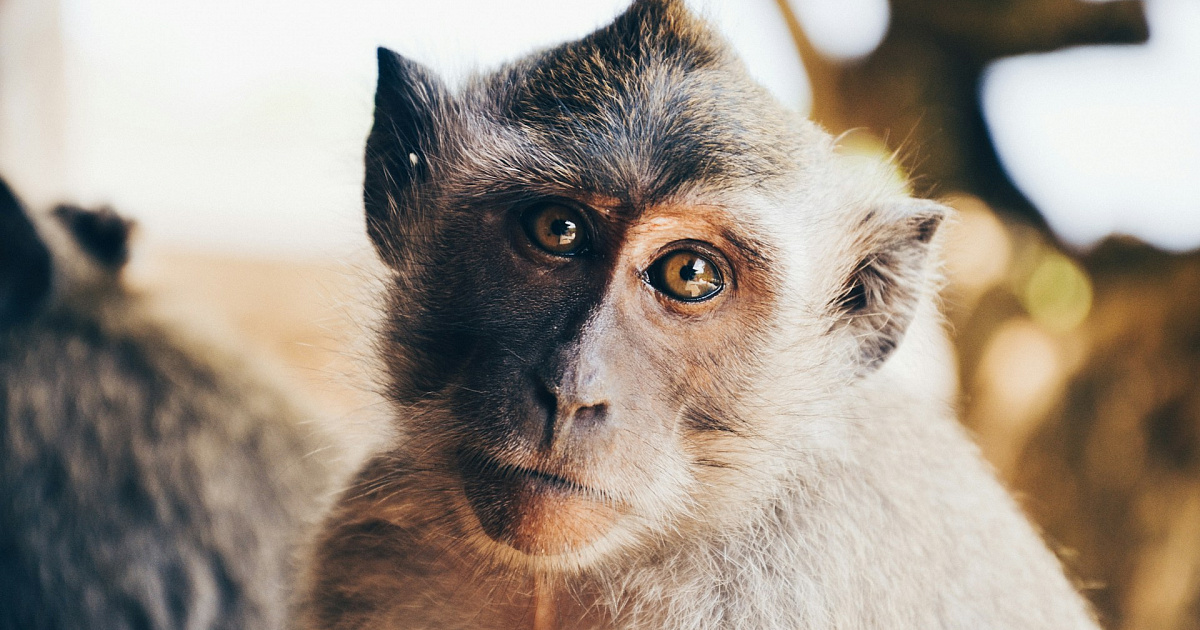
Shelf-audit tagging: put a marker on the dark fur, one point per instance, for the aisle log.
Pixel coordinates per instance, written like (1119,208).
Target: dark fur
(146,481)
(102,233)
(24,262)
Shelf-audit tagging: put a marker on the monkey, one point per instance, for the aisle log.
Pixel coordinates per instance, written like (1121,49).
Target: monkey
(148,479)
(659,356)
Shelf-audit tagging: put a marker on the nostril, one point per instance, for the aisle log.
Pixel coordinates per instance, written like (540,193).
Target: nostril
(547,404)
(591,415)
(546,397)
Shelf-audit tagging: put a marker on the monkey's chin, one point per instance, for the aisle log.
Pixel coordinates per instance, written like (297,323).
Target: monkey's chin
(535,513)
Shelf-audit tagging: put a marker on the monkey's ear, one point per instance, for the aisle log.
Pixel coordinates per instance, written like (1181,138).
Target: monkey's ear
(410,103)
(894,271)
(25,265)
(102,233)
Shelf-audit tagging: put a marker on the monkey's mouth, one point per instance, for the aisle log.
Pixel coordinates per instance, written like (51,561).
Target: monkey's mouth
(533,511)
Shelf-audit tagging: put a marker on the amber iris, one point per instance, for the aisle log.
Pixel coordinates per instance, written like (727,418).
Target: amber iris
(687,276)
(556,228)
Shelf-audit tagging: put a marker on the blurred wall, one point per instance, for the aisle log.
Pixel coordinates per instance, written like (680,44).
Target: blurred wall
(33,98)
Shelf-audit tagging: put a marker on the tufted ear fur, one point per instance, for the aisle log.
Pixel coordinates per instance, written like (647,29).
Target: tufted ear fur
(664,27)
(25,265)
(893,273)
(410,105)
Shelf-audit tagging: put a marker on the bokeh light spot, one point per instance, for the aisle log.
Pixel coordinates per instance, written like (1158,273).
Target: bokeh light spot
(1058,294)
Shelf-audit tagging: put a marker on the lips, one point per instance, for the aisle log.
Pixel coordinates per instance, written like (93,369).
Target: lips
(532,511)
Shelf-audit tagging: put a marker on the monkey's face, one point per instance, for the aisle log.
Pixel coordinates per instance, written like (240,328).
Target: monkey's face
(611,261)
(580,345)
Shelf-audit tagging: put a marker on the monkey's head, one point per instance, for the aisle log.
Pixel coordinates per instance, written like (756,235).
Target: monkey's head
(627,287)
(69,263)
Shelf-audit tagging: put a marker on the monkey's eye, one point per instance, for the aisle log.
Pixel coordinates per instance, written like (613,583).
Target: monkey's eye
(556,228)
(686,276)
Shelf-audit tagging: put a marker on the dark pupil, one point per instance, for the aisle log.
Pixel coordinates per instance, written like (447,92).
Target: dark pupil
(688,272)
(563,228)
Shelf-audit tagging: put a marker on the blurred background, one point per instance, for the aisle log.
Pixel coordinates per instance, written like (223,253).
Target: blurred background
(1066,133)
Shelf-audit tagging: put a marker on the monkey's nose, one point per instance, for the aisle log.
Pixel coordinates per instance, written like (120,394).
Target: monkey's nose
(568,414)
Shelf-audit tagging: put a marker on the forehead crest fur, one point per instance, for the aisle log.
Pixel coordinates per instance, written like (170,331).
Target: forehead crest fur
(648,105)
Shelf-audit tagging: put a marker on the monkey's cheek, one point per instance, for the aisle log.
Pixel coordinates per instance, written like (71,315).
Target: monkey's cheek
(535,517)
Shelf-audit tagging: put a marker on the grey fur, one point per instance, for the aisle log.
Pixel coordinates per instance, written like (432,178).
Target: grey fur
(147,480)
(782,457)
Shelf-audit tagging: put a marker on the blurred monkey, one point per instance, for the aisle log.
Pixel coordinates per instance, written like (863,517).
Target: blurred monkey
(146,480)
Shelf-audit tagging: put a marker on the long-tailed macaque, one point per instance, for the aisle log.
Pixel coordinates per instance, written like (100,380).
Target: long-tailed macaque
(659,357)
(147,480)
